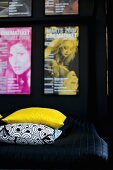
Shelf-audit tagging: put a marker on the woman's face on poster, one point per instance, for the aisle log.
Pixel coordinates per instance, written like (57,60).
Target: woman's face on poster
(72,81)
(66,48)
(19,58)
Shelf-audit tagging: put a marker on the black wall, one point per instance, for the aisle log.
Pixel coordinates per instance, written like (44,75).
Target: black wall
(110,66)
(91,102)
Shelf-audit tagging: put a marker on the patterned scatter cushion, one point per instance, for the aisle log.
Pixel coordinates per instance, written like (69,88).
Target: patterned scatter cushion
(28,133)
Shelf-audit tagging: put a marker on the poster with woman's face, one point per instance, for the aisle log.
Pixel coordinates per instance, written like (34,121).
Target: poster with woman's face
(15,60)
(61,60)
(61,7)
(15,8)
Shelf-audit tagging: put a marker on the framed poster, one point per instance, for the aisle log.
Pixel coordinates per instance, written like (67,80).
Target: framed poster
(15,60)
(61,7)
(61,69)
(15,8)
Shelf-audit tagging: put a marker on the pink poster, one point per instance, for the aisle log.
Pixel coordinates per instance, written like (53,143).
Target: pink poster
(15,60)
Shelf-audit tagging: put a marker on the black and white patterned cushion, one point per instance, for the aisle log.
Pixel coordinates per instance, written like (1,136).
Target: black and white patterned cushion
(28,133)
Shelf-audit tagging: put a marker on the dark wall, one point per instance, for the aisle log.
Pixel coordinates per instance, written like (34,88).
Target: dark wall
(91,100)
(110,66)
(100,114)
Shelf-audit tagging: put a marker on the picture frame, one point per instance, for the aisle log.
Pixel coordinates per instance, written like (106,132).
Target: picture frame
(17,8)
(61,7)
(61,60)
(15,60)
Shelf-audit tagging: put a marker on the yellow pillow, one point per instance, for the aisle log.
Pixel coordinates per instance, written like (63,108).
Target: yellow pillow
(1,116)
(46,116)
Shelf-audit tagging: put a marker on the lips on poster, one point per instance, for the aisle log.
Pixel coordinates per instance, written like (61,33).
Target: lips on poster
(61,7)
(15,8)
(15,60)
(61,60)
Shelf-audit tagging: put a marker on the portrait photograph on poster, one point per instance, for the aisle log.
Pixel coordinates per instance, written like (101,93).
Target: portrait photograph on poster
(15,8)
(15,60)
(61,7)
(61,60)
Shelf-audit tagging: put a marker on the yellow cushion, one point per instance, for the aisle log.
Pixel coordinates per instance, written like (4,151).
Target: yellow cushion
(46,116)
(1,116)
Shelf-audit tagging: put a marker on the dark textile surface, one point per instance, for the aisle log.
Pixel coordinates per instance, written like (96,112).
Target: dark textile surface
(82,142)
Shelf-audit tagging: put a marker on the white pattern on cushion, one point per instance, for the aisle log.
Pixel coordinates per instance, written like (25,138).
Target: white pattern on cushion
(28,133)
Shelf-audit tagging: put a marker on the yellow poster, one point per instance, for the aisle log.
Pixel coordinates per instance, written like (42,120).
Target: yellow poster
(61,60)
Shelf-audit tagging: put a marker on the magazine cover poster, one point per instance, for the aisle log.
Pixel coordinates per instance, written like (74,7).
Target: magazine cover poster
(61,60)
(15,60)
(15,8)
(61,7)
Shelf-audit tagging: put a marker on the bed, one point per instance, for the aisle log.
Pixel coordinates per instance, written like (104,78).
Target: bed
(79,145)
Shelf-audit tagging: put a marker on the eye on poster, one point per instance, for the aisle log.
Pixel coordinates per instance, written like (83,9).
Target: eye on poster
(61,7)
(15,60)
(61,60)
(15,8)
